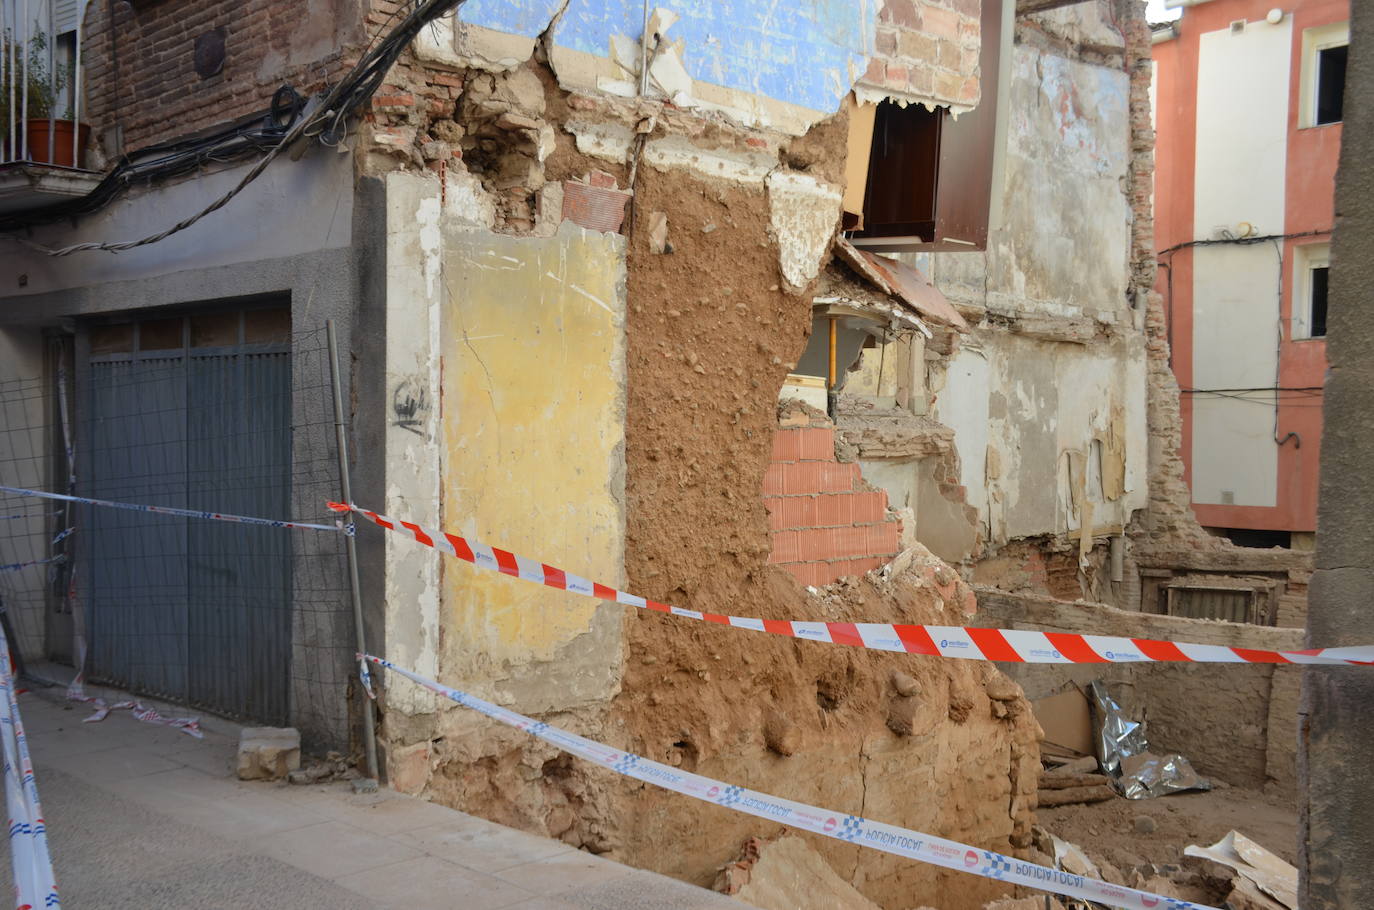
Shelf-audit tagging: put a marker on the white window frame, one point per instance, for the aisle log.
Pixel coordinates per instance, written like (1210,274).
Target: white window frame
(1306,258)
(1314,40)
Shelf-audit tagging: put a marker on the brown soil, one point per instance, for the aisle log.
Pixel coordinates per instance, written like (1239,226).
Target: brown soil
(710,338)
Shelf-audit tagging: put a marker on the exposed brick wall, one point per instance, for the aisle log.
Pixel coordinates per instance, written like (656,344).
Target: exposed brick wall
(826,523)
(928,49)
(155,92)
(1168,520)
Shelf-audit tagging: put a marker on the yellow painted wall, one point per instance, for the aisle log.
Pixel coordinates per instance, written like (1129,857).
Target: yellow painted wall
(533,430)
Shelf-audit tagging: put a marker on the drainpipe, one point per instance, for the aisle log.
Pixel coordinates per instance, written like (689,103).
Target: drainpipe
(832,394)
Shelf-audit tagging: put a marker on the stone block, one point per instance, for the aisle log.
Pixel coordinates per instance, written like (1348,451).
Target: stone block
(268,753)
(407,768)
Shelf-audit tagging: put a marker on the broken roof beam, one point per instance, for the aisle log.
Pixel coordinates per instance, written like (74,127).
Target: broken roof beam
(903,282)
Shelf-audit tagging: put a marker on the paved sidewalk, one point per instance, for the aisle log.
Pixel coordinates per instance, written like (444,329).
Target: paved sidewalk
(147,817)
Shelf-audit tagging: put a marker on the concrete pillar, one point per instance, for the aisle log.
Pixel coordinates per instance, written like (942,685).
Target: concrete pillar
(1336,847)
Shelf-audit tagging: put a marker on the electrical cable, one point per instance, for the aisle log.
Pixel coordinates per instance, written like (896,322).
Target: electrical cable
(361,82)
(1228,239)
(1265,388)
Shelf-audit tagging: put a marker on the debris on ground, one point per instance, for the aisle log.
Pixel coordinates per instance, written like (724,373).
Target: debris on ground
(1175,881)
(1144,841)
(334,766)
(787,872)
(1063,786)
(1263,881)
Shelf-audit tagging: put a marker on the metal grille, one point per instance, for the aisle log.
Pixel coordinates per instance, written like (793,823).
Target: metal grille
(1204,602)
(225,411)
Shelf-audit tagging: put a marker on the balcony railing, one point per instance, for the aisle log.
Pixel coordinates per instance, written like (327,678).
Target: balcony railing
(40,82)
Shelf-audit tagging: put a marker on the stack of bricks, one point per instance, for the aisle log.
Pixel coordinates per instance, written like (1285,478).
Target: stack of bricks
(826,524)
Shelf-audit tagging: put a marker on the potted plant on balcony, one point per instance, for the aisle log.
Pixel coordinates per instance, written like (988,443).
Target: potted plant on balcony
(45,89)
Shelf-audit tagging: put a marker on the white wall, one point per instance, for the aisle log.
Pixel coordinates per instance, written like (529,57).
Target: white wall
(963,406)
(1020,403)
(1242,127)
(293,208)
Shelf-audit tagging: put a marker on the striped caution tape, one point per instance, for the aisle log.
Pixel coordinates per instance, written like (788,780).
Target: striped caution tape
(141,712)
(852,829)
(16,566)
(1003,645)
(167,510)
(34,882)
(21,515)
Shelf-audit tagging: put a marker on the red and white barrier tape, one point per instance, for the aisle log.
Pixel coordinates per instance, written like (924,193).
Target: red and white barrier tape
(141,712)
(34,883)
(1003,645)
(167,510)
(849,828)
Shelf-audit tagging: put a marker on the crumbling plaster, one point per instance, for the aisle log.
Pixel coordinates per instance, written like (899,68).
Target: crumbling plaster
(784,69)
(1063,245)
(1051,382)
(414,239)
(534,364)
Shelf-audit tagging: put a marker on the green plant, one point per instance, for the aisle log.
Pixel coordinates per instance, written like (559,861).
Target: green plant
(45,87)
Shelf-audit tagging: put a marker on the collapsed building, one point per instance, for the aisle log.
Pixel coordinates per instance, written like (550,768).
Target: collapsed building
(844,315)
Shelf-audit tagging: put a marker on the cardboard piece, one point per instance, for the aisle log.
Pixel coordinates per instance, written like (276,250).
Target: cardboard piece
(861,120)
(1067,723)
(1275,877)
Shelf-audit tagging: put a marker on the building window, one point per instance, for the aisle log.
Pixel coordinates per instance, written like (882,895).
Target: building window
(1324,53)
(1317,284)
(1312,270)
(929,182)
(1330,83)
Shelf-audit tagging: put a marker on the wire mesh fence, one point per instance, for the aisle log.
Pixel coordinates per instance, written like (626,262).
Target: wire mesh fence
(230,412)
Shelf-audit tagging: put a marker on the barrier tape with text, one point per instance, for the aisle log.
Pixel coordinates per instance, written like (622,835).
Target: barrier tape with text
(852,829)
(168,510)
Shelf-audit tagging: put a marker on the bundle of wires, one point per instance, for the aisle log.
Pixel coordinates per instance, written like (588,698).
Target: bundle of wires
(324,119)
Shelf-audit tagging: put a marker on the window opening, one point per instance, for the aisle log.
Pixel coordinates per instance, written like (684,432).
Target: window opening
(1318,283)
(1331,84)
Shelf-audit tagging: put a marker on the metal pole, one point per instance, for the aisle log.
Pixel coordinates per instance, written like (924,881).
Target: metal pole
(51,41)
(24,88)
(832,394)
(644,54)
(7,76)
(76,85)
(341,440)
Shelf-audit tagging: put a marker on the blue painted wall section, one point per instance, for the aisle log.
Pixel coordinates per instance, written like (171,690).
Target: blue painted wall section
(798,51)
(514,17)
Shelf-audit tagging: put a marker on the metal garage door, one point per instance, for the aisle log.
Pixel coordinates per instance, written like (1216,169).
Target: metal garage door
(193,412)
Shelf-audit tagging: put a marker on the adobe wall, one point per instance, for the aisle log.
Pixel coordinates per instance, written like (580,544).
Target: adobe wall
(602,324)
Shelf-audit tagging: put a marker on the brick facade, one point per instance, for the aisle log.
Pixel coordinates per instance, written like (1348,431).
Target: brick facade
(826,522)
(139,61)
(927,50)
